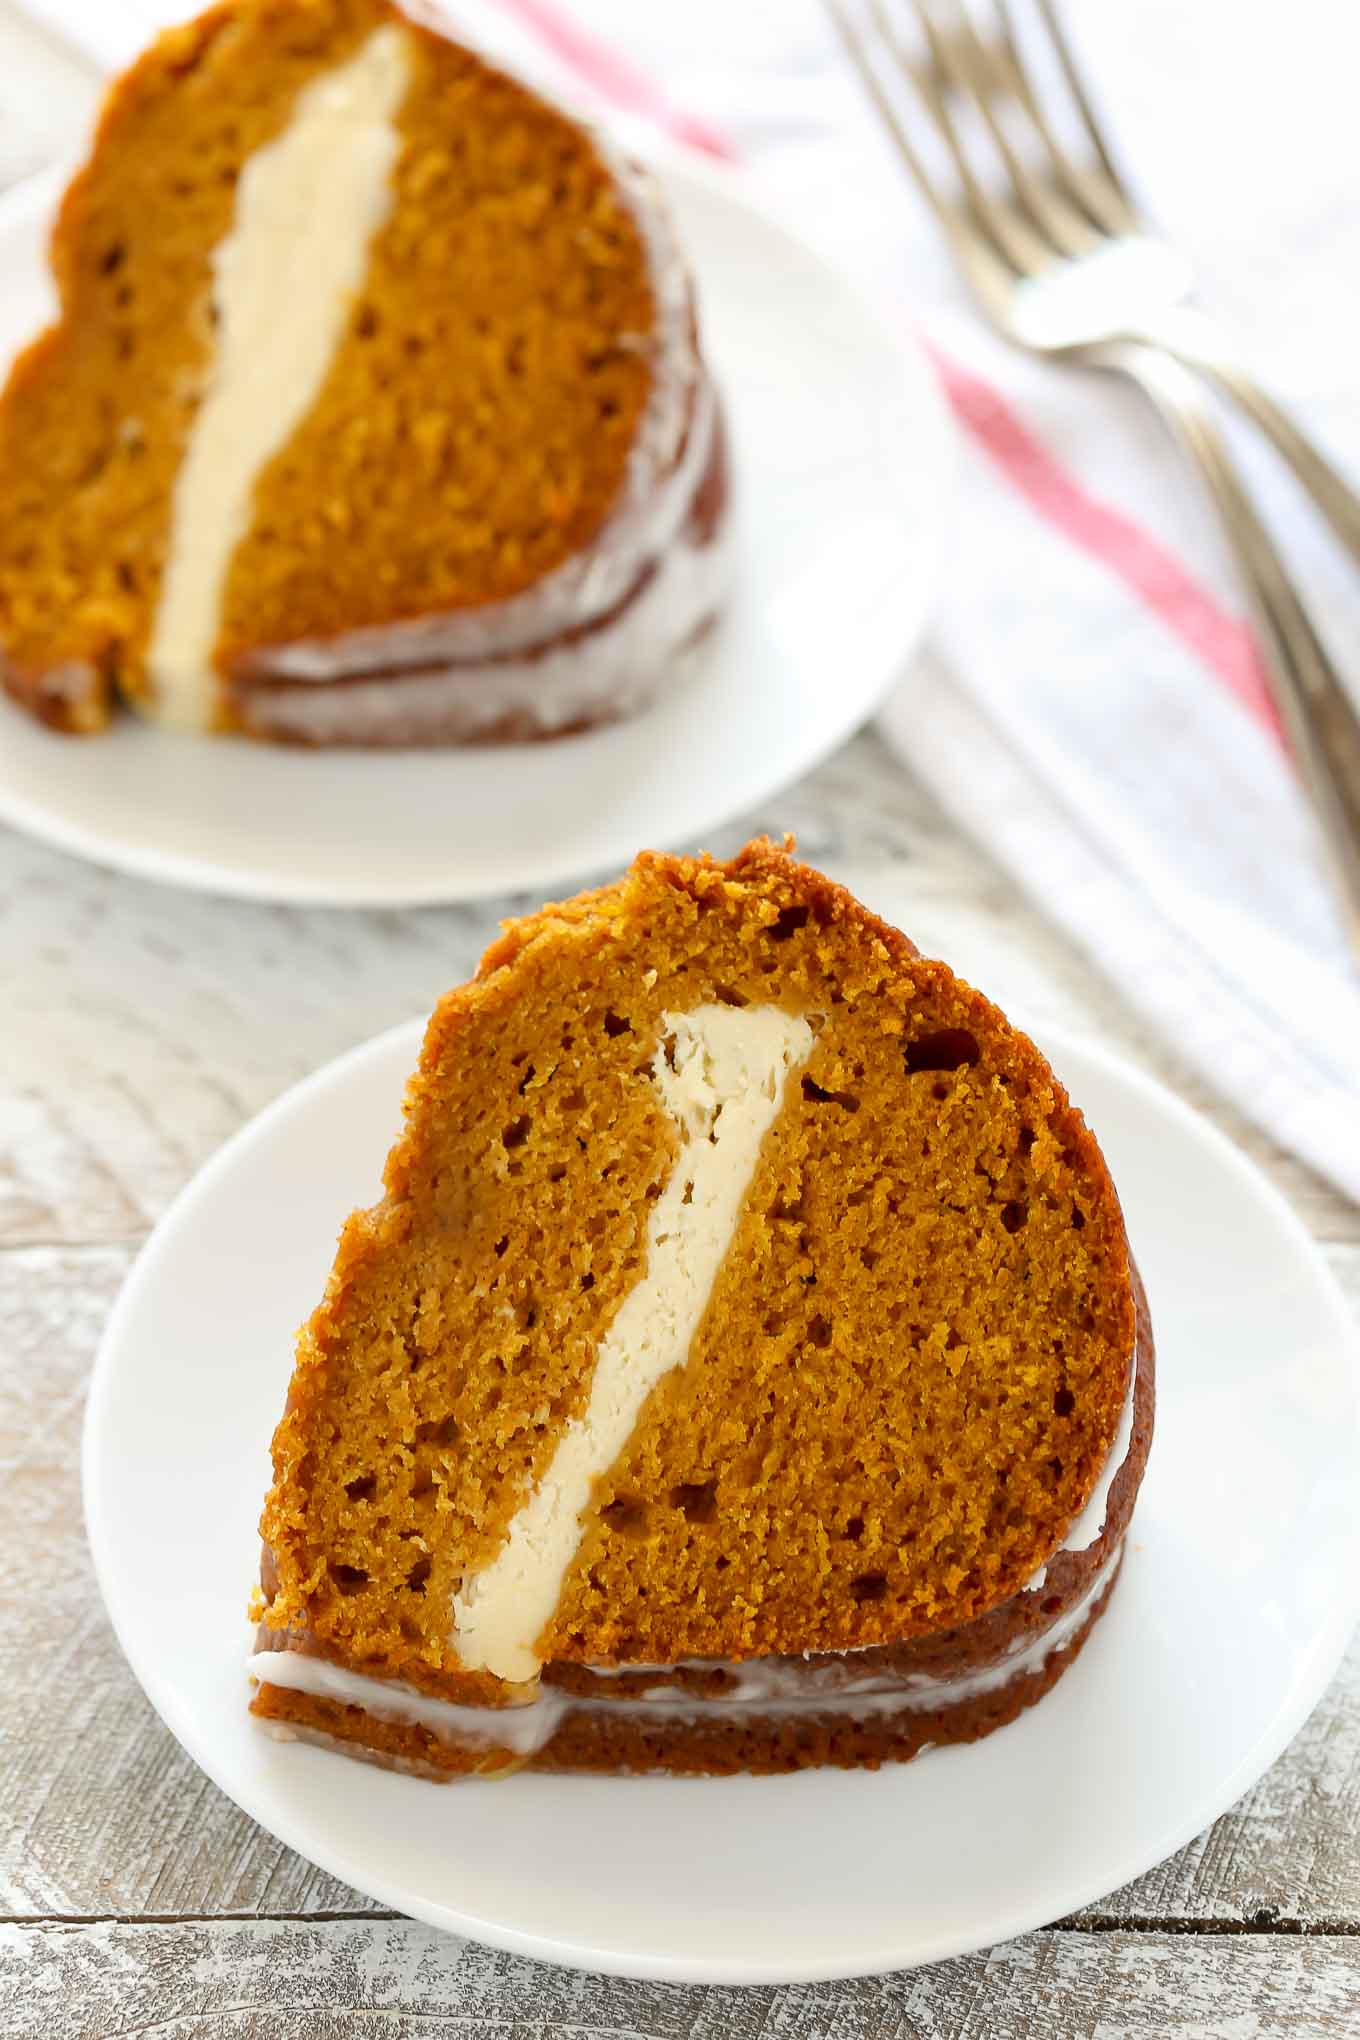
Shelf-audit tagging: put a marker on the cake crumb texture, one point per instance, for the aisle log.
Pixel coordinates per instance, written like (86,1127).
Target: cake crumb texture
(910,1370)
(475,427)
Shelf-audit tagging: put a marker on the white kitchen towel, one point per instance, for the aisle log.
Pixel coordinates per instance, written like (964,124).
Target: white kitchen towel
(1092,710)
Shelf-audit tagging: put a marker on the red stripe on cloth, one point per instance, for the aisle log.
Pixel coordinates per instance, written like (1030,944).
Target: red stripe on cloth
(1189,611)
(612,76)
(1224,643)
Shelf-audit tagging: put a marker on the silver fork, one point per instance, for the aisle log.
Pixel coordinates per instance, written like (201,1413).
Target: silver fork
(1063,265)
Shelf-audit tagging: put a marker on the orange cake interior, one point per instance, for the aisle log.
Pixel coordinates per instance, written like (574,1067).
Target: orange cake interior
(474,409)
(905,1371)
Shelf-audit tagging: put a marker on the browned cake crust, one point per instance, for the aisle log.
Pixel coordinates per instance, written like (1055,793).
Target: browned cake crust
(602,1737)
(682,1746)
(929,1220)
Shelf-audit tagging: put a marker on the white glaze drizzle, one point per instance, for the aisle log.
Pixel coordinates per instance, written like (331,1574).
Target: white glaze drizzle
(762,1691)
(669,456)
(521,1729)
(1087,1527)
(610,672)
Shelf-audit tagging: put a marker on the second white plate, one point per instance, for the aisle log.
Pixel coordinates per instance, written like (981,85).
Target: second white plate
(1239,1591)
(842,461)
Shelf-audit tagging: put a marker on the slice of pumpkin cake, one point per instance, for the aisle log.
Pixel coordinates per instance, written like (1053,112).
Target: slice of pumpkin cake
(374,412)
(744,1369)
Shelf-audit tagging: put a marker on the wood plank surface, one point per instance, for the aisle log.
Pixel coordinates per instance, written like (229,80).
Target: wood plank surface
(112,1097)
(139,1028)
(393,1980)
(147,1023)
(105,1814)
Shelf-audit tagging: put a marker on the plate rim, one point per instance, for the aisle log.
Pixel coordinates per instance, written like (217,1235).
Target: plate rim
(1314,1673)
(941,457)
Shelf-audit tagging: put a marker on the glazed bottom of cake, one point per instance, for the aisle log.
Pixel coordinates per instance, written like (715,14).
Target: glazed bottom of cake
(674,1731)
(470,679)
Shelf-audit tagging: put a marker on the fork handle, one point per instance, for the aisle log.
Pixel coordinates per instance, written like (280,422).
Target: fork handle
(1319,718)
(1195,342)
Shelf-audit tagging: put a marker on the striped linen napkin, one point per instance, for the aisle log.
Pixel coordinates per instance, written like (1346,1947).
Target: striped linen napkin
(1090,708)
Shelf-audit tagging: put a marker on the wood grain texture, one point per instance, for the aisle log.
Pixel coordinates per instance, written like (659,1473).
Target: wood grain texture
(124,1823)
(139,1028)
(114,1098)
(146,1023)
(102,1811)
(358,1980)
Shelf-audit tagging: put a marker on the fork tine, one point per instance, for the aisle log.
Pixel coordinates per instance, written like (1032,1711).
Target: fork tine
(975,253)
(858,52)
(1099,190)
(1080,97)
(857,48)
(975,69)
(1007,229)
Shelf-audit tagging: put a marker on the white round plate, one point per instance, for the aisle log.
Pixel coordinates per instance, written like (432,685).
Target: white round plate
(1239,1591)
(842,461)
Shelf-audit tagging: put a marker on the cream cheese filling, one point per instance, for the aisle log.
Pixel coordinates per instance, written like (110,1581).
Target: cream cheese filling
(307,207)
(720,1072)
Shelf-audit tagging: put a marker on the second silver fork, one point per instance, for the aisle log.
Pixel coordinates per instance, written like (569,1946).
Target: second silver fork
(1060,261)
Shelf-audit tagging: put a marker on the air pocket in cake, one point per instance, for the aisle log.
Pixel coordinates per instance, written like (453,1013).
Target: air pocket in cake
(744,1369)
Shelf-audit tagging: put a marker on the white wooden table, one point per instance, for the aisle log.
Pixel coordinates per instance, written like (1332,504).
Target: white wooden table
(138,1028)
